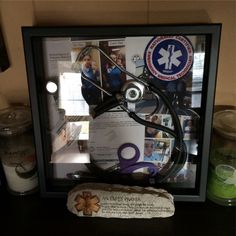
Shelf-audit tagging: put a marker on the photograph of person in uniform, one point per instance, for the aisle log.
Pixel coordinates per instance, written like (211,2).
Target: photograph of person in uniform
(150,153)
(89,64)
(113,77)
(152,132)
(167,122)
(189,128)
(90,92)
(164,148)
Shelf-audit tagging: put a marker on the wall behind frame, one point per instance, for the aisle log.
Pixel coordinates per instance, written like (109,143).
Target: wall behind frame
(16,13)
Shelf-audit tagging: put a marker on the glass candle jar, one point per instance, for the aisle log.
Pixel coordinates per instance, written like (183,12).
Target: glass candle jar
(221,186)
(17,150)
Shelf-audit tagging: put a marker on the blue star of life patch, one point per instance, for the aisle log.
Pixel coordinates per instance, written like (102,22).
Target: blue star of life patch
(169,57)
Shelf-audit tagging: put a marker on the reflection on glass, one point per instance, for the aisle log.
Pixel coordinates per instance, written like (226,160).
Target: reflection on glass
(198,69)
(51,87)
(70,96)
(75,137)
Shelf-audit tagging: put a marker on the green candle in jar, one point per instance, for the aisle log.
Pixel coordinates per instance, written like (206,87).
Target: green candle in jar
(221,187)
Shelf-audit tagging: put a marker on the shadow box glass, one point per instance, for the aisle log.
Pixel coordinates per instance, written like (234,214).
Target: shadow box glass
(127,105)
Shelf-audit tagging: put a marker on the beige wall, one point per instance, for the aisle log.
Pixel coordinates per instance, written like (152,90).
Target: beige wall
(14,14)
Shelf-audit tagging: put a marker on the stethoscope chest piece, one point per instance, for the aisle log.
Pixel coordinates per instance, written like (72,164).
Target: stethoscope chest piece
(133,91)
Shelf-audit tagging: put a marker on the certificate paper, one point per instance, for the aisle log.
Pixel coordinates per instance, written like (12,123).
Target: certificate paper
(109,131)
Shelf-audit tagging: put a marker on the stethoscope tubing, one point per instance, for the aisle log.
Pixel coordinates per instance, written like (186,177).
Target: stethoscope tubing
(177,133)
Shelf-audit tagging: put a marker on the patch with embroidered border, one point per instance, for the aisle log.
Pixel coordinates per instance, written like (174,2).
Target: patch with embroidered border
(169,58)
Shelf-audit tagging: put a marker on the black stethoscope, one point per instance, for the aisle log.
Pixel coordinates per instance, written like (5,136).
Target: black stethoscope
(132,92)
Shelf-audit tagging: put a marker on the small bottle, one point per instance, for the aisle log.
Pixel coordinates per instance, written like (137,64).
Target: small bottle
(221,187)
(17,150)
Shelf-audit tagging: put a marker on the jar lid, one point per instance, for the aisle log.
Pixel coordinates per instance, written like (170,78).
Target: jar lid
(14,120)
(225,123)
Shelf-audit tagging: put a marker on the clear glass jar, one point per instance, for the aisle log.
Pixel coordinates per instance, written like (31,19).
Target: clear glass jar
(221,187)
(17,150)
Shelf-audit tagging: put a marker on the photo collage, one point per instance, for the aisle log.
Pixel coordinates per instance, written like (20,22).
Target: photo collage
(98,69)
(158,145)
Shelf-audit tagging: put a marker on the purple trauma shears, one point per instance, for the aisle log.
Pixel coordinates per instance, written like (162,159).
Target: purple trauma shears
(128,166)
(125,166)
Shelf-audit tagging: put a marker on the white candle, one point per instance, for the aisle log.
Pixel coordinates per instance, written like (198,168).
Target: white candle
(21,176)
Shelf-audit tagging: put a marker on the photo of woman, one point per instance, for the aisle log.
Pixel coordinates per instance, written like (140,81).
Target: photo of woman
(113,77)
(90,92)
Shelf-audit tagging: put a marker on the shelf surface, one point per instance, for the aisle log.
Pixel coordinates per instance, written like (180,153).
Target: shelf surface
(32,213)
